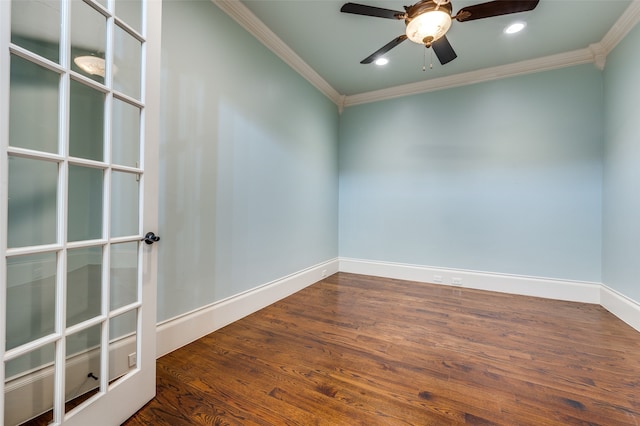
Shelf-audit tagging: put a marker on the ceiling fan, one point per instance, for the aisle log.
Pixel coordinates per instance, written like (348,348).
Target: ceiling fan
(428,21)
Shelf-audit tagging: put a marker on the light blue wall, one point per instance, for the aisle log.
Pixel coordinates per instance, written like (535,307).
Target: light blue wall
(248,163)
(621,264)
(503,176)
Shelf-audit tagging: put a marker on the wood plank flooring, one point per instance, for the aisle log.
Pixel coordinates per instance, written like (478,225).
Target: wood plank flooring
(358,350)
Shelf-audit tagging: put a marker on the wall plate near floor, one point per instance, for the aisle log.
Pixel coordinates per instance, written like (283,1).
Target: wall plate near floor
(132,360)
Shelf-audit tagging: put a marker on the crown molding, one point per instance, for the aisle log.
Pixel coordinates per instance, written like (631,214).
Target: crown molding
(621,28)
(576,57)
(599,53)
(243,16)
(596,53)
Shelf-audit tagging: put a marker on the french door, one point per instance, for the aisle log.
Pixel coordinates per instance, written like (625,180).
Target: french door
(79,83)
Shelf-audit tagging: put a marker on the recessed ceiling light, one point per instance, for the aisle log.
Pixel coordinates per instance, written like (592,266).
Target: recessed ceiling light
(382,61)
(515,28)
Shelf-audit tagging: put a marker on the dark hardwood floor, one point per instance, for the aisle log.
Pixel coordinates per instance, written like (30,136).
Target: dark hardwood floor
(357,350)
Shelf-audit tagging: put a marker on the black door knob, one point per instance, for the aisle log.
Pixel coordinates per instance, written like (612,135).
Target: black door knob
(150,238)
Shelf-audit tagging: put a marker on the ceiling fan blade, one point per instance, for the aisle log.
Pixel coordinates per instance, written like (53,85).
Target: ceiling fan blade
(378,12)
(443,50)
(495,8)
(384,49)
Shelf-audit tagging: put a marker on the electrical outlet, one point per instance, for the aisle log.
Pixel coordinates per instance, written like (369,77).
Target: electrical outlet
(437,279)
(132,360)
(456,281)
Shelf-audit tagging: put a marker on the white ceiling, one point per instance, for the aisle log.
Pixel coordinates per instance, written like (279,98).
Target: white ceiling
(321,40)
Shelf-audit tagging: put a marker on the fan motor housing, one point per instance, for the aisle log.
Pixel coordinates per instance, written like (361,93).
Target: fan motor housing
(425,6)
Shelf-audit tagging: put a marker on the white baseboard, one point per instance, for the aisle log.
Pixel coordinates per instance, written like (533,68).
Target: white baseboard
(575,291)
(179,331)
(626,309)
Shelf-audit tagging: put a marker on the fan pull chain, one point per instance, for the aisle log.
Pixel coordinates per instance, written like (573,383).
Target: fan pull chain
(424,61)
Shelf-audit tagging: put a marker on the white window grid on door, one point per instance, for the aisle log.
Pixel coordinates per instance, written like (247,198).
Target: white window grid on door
(63,160)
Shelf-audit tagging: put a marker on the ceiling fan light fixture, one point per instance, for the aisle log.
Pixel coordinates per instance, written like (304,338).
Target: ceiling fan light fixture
(428,27)
(381,61)
(428,21)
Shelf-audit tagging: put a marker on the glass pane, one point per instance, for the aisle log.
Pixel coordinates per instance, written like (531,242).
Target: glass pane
(125,134)
(130,11)
(83,341)
(84,278)
(85,203)
(35,25)
(124,274)
(82,366)
(33,106)
(88,34)
(32,202)
(127,63)
(24,402)
(31,287)
(122,344)
(86,122)
(124,204)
